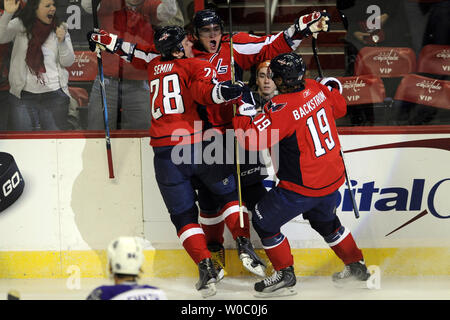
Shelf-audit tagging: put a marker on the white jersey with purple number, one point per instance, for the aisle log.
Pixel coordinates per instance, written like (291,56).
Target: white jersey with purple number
(127,291)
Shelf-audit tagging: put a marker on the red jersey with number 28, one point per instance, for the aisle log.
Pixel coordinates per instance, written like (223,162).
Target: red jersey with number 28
(302,126)
(176,86)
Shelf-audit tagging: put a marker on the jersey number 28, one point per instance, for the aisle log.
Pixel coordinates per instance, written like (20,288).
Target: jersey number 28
(172,101)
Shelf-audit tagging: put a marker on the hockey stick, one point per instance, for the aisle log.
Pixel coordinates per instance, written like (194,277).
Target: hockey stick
(238,166)
(103,93)
(347,178)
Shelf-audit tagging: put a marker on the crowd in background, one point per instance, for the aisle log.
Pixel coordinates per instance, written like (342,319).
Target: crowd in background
(34,83)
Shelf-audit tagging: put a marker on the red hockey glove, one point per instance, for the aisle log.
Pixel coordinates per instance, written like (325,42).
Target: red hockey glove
(106,41)
(309,24)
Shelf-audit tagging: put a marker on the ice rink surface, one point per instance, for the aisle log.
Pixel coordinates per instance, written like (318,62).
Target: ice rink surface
(240,288)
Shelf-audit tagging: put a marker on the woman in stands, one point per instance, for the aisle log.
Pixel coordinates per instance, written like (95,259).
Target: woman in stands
(42,49)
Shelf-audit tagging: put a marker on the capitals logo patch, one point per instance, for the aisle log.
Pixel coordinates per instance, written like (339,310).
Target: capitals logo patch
(274,107)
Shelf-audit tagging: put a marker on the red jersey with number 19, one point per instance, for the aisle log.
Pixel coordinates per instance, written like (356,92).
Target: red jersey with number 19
(176,86)
(302,126)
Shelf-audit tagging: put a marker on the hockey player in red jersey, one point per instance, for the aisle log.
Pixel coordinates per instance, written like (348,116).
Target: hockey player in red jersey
(299,124)
(248,50)
(178,82)
(127,91)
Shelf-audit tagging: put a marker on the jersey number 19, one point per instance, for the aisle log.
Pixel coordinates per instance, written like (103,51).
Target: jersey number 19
(324,128)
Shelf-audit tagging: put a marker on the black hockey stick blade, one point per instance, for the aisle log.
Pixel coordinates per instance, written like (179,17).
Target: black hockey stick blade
(316,55)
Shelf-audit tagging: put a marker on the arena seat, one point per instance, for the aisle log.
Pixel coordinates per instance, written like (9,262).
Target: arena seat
(365,96)
(389,63)
(421,100)
(385,62)
(434,61)
(84,68)
(82,74)
(80,95)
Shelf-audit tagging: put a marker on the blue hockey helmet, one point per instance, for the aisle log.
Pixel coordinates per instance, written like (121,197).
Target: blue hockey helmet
(290,67)
(168,40)
(206,17)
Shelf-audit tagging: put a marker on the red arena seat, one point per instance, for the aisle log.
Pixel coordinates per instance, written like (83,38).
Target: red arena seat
(434,60)
(389,63)
(385,62)
(422,100)
(84,68)
(365,96)
(80,95)
(82,74)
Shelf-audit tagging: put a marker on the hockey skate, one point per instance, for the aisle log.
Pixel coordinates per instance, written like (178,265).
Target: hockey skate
(280,284)
(206,284)
(218,257)
(249,258)
(354,275)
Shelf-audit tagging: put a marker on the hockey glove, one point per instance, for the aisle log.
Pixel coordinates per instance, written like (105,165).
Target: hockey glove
(331,83)
(247,109)
(247,105)
(308,24)
(106,41)
(226,91)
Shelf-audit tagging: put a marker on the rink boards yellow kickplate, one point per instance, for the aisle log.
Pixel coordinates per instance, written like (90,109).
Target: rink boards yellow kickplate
(177,263)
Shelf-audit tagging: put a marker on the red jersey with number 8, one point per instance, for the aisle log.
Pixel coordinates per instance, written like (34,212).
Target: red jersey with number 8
(301,131)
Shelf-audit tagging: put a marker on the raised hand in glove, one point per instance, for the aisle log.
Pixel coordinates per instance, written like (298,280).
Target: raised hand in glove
(309,24)
(246,109)
(331,83)
(226,91)
(247,104)
(106,41)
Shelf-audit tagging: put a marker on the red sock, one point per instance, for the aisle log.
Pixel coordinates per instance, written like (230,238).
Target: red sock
(345,247)
(230,214)
(213,226)
(280,255)
(194,242)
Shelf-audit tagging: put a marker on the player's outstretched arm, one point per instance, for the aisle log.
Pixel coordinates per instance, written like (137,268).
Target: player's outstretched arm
(307,25)
(104,40)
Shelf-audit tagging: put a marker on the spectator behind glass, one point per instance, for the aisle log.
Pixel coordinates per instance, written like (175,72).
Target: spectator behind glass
(177,19)
(5,57)
(127,89)
(362,17)
(438,24)
(38,79)
(428,22)
(266,88)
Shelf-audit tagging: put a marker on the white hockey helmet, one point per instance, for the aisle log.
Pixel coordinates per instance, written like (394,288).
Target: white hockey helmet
(125,256)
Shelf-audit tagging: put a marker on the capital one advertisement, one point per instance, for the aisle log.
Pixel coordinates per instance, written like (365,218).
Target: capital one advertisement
(401,185)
